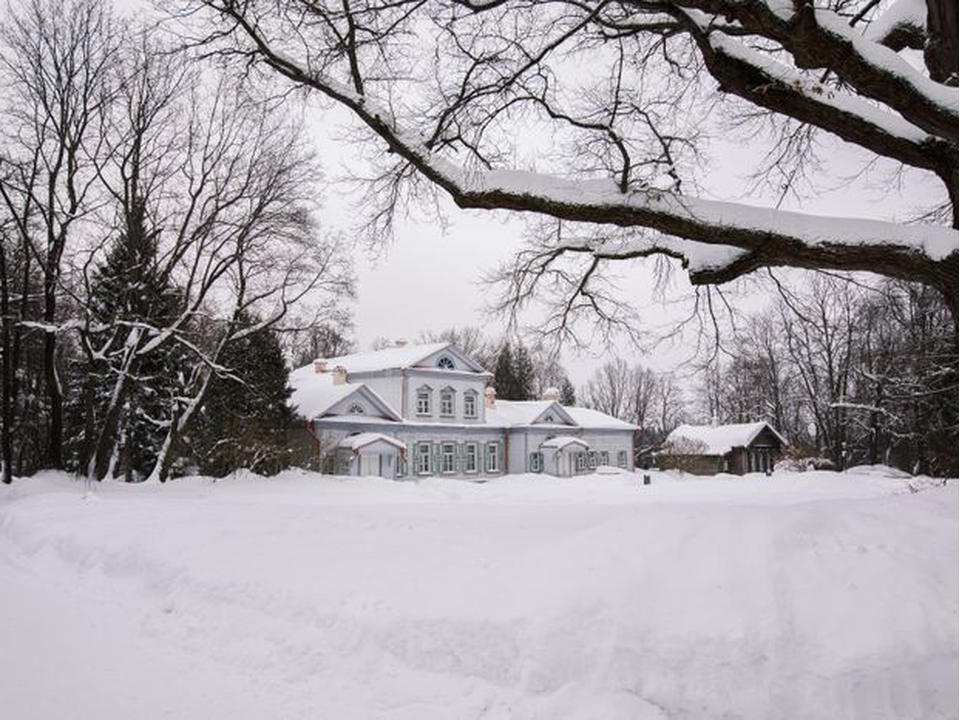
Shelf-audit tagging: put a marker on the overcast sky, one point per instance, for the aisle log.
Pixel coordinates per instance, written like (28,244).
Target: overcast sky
(429,279)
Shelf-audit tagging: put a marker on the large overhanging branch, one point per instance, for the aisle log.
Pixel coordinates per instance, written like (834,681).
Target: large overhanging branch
(769,84)
(819,38)
(764,237)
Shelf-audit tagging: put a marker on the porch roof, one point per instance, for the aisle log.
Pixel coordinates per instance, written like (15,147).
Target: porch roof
(362,440)
(561,441)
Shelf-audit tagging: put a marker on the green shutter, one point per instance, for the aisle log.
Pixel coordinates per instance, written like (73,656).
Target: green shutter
(437,459)
(500,464)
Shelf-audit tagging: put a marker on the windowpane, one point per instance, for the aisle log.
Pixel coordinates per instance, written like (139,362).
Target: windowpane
(423,458)
(536,462)
(493,457)
(423,402)
(447,458)
(446,404)
(471,458)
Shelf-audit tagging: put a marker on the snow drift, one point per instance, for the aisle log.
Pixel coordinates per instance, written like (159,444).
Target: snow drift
(799,596)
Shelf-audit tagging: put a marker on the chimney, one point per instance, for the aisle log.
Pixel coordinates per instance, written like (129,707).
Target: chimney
(319,366)
(490,397)
(402,342)
(552,394)
(339,375)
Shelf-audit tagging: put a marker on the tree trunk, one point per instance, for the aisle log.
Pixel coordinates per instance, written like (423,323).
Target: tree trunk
(6,444)
(51,377)
(110,426)
(940,54)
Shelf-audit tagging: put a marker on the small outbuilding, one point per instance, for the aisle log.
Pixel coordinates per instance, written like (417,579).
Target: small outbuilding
(564,455)
(709,449)
(370,454)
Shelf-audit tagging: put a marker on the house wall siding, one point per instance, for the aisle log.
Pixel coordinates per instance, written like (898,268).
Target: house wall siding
(516,443)
(437,381)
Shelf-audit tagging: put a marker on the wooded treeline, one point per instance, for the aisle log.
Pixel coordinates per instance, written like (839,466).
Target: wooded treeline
(851,372)
(158,222)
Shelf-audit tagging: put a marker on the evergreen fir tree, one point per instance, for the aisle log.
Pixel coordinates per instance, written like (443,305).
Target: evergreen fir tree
(128,291)
(525,374)
(503,376)
(245,416)
(568,396)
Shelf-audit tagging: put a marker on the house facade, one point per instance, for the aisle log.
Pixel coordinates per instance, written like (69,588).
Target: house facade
(710,449)
(413,411)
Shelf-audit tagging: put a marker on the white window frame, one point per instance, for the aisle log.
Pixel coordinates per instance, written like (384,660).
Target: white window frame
(536,461)
(593,459)
(581,461)
(622,458)
(421,456)
(475,447)
(448,395)
(492,459)
(452,457)
(445,362)
(424,394)
(604,457)
(470,405)
(356,409)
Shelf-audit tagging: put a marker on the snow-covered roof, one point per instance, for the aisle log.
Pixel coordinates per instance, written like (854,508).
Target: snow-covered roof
(596,420)
(517,412)
(721,439)
(561,441)
(391,358)
(361,440)
(314,392)
(512,413)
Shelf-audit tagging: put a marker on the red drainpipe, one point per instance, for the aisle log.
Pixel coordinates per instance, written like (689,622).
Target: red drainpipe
(506,452)
(316,444)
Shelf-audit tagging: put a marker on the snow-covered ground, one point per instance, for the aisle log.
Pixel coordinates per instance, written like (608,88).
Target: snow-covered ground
(813,595)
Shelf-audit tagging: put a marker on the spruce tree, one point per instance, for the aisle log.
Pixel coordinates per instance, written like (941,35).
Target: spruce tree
(245,416)
(525,374)
(128,297)
(568,396)
(503,376)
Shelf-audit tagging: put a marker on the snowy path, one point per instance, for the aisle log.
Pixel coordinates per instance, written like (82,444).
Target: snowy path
(801,596)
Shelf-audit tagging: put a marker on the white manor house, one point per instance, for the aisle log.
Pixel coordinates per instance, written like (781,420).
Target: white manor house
(419,410)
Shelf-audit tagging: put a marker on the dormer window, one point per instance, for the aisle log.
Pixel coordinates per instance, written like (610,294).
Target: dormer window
(356,409)
(447,402)
(549,419)
(445,363)
(424,395)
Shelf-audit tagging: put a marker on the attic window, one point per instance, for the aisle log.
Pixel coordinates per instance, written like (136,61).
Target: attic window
(356,409)
(548,419)
(445,363)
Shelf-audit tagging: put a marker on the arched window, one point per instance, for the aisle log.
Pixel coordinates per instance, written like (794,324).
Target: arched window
(356,409)
(445,363)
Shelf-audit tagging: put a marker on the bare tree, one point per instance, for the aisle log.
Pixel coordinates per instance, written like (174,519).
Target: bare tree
(55,58)
(470,340)
(449,91)
(609,390)
(820,332)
